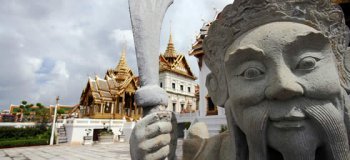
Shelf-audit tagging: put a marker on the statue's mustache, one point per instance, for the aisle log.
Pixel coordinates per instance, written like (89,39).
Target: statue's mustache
(329,118)
(322,113)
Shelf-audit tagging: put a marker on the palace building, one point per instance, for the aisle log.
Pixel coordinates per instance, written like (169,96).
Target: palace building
(177,79)
(111,97)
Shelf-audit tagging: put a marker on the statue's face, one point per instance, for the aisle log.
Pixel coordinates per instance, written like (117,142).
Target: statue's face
(284,90)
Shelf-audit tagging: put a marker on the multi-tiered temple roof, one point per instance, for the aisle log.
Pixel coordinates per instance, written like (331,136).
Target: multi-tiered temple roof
(197,47)
(173,62)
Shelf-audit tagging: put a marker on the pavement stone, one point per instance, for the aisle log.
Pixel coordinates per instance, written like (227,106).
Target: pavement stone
(116,151)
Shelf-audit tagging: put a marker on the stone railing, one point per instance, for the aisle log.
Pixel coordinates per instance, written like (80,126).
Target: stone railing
(186,117)
(106,122)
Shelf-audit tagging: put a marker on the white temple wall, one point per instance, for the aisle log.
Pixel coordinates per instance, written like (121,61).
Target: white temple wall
(76,128)
(184,96)
(203,92)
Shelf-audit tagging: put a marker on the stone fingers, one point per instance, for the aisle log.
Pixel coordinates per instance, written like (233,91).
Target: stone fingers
(141,130)
(149,119)
(157,129)
(155,143)
(159,154)
(154,117)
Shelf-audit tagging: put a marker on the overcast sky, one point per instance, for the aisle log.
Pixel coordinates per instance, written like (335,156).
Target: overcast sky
(50,47)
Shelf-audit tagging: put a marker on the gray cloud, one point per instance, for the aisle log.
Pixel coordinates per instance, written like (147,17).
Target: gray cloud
(50,47)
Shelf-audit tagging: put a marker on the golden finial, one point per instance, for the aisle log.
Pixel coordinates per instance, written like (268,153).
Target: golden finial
(122,65)
(170,51)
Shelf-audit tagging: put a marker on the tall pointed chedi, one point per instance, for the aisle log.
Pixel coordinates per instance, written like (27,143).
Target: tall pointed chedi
(122,65)
(122,71)
(170,51)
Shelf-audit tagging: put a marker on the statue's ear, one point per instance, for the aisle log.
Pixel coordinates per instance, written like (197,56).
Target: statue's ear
(346,72)
(217,88)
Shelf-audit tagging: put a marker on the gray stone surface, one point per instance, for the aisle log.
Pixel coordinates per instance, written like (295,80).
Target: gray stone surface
(116,151)
(279,69)
(146,19)
(153,137)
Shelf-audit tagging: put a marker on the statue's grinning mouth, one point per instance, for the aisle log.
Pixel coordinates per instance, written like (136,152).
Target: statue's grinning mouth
(288,124)
(294,119)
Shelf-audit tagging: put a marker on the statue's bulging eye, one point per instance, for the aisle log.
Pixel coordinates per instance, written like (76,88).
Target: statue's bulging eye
(307,63)
(252,73)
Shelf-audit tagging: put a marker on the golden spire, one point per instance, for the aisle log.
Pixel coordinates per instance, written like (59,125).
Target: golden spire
(122,62)
(170,51)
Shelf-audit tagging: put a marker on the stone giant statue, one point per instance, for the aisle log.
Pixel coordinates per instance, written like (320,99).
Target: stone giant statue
(281,70)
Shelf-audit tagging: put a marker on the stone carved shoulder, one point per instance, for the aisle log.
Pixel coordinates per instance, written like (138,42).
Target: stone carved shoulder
(215,148)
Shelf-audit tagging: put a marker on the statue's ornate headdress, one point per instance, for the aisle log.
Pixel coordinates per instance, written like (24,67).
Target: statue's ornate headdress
(244,15)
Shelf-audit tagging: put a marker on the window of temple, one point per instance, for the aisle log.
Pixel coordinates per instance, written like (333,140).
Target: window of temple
(182,107)
(173,85)
(107,107)
(174,107)
(182,87)
(189,89)
(161,85)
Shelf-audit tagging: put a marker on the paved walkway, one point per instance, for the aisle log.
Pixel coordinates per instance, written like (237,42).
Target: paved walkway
(117,151)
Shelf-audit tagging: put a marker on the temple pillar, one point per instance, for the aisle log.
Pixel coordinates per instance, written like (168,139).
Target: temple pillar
(123,102)
(112,107)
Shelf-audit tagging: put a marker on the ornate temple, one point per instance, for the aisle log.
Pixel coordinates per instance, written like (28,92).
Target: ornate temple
(176,77)
(111,97)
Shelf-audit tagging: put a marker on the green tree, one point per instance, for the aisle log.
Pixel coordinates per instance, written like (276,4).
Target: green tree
(42,114)
(60,111)
(26,109)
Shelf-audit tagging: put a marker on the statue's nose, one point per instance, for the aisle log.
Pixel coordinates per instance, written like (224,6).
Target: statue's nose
(283,85)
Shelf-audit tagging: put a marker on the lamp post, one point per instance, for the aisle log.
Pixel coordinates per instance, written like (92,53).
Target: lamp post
(54,121)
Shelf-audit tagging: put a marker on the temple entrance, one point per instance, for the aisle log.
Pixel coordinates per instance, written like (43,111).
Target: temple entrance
(96,133)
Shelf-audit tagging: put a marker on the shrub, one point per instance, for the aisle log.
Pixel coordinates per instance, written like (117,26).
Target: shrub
(187,125)
(223,128)
(23,142)
(17,137)
(20,133)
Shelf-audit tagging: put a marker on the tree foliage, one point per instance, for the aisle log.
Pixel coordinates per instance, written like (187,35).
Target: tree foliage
(60,111)
(40,114)
(26,109)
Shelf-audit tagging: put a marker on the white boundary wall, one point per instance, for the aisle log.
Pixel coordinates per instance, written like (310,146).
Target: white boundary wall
(17,124)
(76,128)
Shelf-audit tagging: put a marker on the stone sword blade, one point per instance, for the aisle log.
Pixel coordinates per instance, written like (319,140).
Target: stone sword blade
(146,19)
